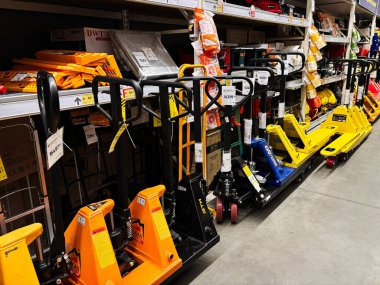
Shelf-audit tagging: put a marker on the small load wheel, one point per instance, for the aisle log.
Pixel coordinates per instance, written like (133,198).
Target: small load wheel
(330,162)
(219,210)
(234,213)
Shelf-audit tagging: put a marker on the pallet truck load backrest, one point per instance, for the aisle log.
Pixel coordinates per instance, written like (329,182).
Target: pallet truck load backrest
(14,255)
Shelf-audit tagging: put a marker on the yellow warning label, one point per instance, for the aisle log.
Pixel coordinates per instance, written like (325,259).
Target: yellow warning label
(160,221)
(117,136)
(251,178)
(103,247)
(228,82)
(88,99)
(3,173)
(219,8)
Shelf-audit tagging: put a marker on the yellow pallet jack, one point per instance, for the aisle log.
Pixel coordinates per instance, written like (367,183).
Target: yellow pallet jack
(353,126)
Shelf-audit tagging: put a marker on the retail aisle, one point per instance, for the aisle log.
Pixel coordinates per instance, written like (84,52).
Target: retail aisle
(325,231)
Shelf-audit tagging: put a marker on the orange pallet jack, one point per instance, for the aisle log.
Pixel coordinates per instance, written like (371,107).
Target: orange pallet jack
(135,248)
(138,247)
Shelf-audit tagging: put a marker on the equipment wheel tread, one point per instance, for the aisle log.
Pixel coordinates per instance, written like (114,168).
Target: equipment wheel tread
(219,210)
(234,213)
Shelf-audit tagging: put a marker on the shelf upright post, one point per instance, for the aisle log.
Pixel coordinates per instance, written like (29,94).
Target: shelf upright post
(310,5)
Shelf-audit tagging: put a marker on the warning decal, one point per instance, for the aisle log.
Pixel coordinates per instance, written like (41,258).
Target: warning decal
(103,247)
(160,221)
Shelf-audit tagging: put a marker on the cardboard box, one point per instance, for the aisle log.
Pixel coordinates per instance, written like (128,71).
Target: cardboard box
(213,154)
(237,36)
(96,40)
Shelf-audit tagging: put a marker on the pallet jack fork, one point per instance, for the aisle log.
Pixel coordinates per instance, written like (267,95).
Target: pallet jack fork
(350,120)
(190,221)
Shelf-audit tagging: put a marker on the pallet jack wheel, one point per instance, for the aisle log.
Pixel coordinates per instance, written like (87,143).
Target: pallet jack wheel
(234,213)
(219,210)
(330,162)
(345,156)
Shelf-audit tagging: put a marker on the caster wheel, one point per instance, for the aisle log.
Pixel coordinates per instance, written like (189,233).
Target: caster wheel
(219,210)
(234,213)
(345,156)
(330,162)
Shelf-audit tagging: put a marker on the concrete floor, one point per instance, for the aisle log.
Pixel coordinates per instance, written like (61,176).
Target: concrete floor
(323,231)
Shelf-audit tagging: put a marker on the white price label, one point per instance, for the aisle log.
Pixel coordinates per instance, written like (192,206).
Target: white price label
(351,98)
(281,109)
(54,148)
(141,58)
(226,162)
(198,152)
(262,77)
(229,95)
(149,53)
(246,88)
(190,119)
(90,133)
(360,92)
(262,121)
(247,131)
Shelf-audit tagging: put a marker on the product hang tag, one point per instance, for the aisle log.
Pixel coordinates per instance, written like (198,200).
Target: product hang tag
(281,109)
(219,6)
(247,131)
(3,173)
(226,162)
(229,95)
(360,92)
(263,121)
(117,136)
(141,58)
(54,148)
(198,152)
(262,77)
(246,88)
(90,133)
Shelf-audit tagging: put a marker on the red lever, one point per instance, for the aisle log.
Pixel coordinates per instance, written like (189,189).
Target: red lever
(3,89)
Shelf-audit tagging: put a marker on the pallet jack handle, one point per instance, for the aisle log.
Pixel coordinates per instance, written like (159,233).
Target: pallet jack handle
(117,120)
(48,101)
(115,84)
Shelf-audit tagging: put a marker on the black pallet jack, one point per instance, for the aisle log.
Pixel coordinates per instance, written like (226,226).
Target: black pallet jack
(225,189)
(189,218)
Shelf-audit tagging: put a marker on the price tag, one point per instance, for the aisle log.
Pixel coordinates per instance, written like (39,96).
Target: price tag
(219,6)
(252,11)
(229,95)
(290,19)
(88,99)
(246,88)
(262,121)
(226,162)
(128,92)
(303,19)
(90,133)
(54,148)
(281,109)
(360,92)
(3,173)
(247,131)
(141,58)
(173,2)
(262,77)
(198,152)
(149,53)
